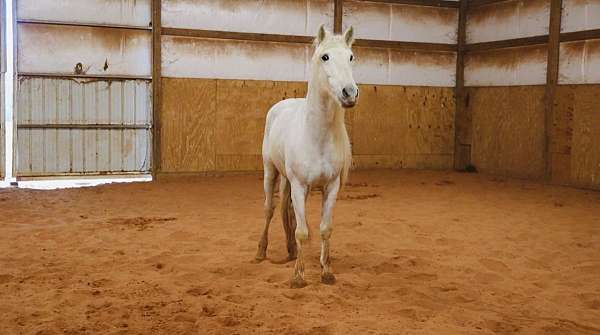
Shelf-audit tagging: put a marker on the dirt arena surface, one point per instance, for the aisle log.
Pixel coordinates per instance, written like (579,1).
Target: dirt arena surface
(414,252)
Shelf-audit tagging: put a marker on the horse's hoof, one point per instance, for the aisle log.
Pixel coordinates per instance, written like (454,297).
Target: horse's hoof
(297,282)
(292,257)
(260,256)
(328,278)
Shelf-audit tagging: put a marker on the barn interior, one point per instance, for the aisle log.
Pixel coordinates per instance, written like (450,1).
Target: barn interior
(472,205)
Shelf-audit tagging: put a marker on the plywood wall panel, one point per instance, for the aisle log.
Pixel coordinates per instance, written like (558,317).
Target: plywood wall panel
(392,126)
(511,66)
(561,136)
(585,164)
(217,125)
(576,136)
(242,107)
(508,19)
(397,126)
(381,121)
(563,112)
(508,130)
(188,125)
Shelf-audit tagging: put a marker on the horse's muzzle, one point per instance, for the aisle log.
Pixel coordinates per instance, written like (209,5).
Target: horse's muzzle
(349,104)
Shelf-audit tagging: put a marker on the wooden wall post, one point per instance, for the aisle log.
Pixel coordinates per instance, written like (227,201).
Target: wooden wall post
(338,13)
(462,147)
(156,85)
(551,81)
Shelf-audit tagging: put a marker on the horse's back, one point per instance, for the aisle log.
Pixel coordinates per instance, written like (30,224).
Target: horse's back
(282,109)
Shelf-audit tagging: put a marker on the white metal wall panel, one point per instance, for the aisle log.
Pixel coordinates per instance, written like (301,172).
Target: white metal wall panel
(422,69)
(54,151)
(580,15)
(392,22)
(210,58)
(207,58)
(2,71)
(513,66)
(580,62)
(58,49)
(2,128)
(288,17)
(115,12)
(506,20)
(396,67)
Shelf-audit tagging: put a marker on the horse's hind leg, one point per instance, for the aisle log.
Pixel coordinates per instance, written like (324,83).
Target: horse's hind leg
(288,217)
(270,176)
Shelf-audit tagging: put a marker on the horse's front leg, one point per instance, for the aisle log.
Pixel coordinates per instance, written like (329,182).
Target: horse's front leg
(330,192)
(299,193)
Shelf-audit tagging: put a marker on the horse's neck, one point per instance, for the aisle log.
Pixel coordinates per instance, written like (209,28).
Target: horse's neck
(324,115)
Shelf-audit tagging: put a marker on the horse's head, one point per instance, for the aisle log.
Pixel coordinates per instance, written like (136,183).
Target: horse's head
(333,60)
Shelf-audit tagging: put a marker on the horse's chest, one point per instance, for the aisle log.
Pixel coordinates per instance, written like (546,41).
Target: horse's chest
(320,167)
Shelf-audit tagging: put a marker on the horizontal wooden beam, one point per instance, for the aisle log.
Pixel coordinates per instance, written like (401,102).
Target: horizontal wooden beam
(417,46)
(82,24)
(580,35)
(533,40)
(478,3)
(427,3)
(510,43)
(227,35)
(83,126)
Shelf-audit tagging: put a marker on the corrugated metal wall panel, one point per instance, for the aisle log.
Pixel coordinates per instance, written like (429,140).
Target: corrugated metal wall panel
(290,17)
(117,12)
(54,150)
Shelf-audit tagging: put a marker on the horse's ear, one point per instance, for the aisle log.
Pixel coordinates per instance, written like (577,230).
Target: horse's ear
(322,34)
(349,36)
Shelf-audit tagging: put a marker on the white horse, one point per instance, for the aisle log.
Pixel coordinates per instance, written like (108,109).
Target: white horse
(306,144)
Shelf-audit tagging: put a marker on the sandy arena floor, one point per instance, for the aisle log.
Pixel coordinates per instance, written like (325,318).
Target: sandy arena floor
(414,253)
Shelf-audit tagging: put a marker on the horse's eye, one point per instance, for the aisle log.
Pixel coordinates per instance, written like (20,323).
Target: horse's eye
(325,57)
(351,57)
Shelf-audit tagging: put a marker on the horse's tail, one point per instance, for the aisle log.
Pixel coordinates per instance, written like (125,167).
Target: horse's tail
(288,217)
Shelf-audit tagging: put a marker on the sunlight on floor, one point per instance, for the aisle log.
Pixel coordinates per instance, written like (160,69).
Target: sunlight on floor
(74,183)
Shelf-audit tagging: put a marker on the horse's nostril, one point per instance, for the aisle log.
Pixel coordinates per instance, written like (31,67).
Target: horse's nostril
(345,93)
